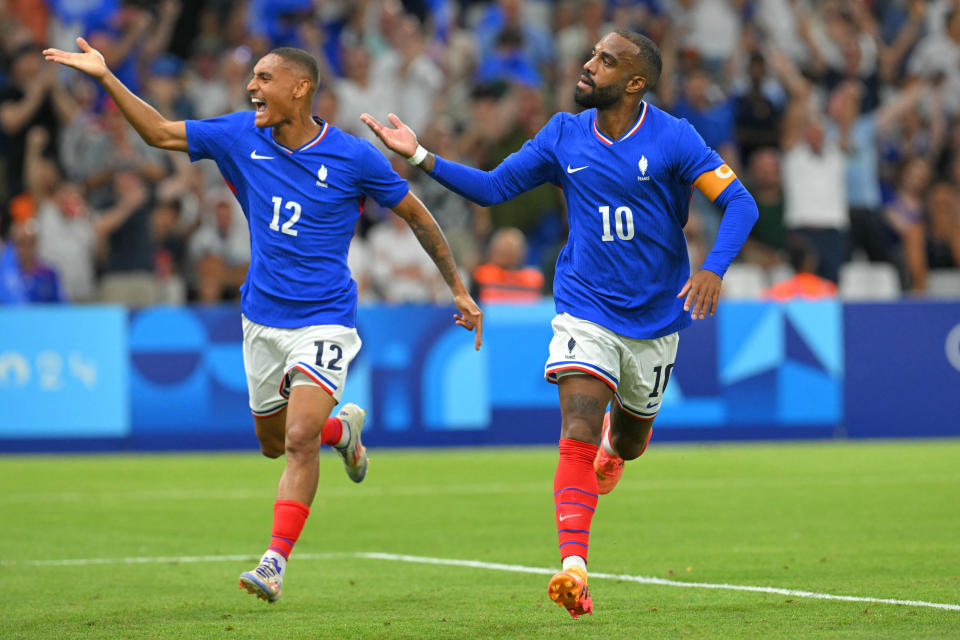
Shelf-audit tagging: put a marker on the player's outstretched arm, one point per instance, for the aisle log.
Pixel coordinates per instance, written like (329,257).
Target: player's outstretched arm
(156,130)
(435,244)
(401,139)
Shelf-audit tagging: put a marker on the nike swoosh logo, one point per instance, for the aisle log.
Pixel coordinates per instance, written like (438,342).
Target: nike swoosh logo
(652,405)
(575,515)
(571,170)
(253,154)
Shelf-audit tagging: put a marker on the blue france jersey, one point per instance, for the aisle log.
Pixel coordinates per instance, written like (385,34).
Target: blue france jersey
(301,207)
(625,259)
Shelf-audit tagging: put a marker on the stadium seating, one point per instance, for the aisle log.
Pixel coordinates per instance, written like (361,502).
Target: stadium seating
(744,281)
(944,283)
(780,273)
(869,281)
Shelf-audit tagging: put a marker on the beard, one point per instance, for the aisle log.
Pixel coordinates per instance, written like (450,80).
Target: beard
(600,97)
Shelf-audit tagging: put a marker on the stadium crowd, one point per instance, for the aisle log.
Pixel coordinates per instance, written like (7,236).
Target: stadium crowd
(841,116)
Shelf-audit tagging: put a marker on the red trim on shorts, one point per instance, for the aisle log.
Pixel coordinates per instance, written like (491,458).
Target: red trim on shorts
(323,385)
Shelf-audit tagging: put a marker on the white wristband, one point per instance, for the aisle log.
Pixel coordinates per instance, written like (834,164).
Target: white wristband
(418,155)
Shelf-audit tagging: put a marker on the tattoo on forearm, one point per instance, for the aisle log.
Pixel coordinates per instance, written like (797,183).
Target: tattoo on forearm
(432,240)
(583,405)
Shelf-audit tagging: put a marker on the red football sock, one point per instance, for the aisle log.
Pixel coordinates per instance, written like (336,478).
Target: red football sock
(575,496)
(332,432)
(289,516)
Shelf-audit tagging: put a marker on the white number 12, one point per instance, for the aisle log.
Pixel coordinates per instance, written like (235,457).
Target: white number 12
(287,227)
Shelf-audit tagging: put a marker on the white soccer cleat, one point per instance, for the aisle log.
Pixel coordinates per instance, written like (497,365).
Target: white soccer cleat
(266,581)
(354,454)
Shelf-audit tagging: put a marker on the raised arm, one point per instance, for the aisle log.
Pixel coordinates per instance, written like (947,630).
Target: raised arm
(156,130)
(519,172)
(431,238)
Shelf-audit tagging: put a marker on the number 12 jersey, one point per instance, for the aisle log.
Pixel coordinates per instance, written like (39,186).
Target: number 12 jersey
(301,206)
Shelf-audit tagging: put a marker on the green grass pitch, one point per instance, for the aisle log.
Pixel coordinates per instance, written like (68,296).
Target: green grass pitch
(869,519)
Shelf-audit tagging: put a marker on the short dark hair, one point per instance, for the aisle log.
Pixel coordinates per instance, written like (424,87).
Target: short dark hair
(650,62)
(303,60)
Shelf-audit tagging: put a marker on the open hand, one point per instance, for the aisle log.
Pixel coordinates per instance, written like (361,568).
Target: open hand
(400,139)
(702,291)
(91,61)
(470,316)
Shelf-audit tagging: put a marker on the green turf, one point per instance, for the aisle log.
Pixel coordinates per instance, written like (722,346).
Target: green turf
(876,519)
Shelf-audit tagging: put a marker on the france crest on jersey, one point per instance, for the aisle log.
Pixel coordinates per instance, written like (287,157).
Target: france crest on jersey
(301,206)
(625,259)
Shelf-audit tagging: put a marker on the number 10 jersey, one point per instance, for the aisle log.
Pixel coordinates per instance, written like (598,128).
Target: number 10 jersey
(625,259)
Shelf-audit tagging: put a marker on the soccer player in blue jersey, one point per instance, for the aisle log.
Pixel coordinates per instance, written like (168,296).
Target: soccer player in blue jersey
(301,183)
(623,287)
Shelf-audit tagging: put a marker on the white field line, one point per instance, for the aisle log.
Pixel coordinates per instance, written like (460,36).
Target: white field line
(476,564)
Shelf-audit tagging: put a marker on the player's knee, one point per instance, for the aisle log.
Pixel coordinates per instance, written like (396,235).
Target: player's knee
(272,449)
(302,440)
(629,447)
(580,428)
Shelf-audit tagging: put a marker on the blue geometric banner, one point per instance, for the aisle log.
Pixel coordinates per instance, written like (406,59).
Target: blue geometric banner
(64,372)
(74,378)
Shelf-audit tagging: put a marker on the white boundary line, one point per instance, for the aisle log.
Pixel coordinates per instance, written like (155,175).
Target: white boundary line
(476,564)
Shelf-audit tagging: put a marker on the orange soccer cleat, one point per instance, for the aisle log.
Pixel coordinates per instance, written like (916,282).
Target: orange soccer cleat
(568,589)
(609,468)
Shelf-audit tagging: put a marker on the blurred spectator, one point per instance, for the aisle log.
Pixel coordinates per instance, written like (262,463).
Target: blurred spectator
(454,214)
(814,175)
(125,253)
(536,212)
(767,239)
(67,240)
(943,227)
(30,98)
(168,249)
(358,260)
(756,117)
(132,37)
(824,103)
(711,113)
(509,14)
(400,269)
(71,18)
(23,278)
(575,41)
(220,250)
(843,47)
(409,78)
(503,278)
(508,62)
(164,90)
(937,58)
(805,284)
(905,215)
(357,93)
(33,15)
(116,147)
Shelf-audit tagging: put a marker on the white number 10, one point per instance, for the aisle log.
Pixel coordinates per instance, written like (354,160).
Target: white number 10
(624,223)
(287,227)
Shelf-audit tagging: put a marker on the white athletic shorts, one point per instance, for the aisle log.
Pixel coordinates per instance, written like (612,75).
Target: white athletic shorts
(277,359)
(636,370)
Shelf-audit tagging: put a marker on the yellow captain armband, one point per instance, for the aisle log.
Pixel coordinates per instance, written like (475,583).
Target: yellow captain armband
(712,183)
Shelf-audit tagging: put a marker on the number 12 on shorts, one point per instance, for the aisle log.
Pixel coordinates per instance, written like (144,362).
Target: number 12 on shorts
(333,364)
